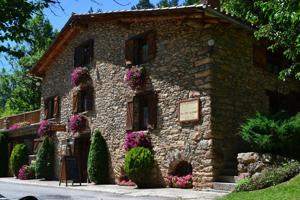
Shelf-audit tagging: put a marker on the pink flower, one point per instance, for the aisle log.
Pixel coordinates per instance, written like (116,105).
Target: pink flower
(180,181)
(44,129)
(77,123)
(137,139)
(25,173)
(14,127)
(135,77)
(78,75)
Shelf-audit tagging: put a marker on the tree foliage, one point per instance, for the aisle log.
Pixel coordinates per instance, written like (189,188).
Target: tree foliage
(19,92)
(190,2)
(167,3)
(18,158)
(278,21)
(98,159)
(143,4)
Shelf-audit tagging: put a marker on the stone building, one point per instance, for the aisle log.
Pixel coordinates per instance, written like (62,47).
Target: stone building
(192,55)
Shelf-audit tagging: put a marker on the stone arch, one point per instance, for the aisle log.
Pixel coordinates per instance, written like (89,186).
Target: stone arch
(180,162)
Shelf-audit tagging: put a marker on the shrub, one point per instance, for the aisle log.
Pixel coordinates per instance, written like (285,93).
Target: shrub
(77,123)
(25,173)
(98,159)
(270,177)
(273,134)
(137,139)
(44,160)
(18,158)
(3,155)
(138,163)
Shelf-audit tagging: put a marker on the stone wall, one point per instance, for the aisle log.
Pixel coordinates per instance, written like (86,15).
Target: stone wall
(239,90)
(179,71)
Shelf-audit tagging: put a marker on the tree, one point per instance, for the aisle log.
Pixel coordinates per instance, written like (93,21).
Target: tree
(18,158)
(98,159)
(167,3)
(143,4)
(278,21)
(20,92)
(190,2)
(45,159)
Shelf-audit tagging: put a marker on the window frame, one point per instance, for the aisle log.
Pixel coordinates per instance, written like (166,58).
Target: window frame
(84,58)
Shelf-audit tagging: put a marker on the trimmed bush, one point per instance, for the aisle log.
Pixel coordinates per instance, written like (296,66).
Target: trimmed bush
(3,155)
(138,163)
(45,159)
(18,158)
(270,177)
(98,159)
(273,134)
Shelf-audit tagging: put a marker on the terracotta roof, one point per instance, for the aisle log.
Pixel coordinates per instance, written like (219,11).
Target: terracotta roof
(79,21)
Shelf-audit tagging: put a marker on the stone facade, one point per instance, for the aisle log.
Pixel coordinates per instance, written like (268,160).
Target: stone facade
(211,63)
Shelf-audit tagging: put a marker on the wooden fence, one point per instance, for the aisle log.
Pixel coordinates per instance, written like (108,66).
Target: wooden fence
(31,117)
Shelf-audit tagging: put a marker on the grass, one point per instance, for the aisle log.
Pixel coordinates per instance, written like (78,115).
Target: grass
(289,190)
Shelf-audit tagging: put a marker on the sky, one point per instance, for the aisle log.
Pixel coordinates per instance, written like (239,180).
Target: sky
(59,17)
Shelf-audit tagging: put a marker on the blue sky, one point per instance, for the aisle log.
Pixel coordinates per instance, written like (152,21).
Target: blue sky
(58,17)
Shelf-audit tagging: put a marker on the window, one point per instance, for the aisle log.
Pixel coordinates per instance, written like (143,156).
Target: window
(51,107)
(84,54)
(288,103)
(140,49)
(83,100)
(142,112)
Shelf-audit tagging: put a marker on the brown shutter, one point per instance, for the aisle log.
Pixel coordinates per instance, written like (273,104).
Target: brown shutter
(129,51)
(151,41)
(46,108)
(89,98)
(75,102)
(129,122)
(56,106)
(152,102)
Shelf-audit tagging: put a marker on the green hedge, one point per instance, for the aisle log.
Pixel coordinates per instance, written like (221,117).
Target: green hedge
(18,158)
(273,134)
(270,177)
(44,160)
(138,164)
(98,159)
(3,155)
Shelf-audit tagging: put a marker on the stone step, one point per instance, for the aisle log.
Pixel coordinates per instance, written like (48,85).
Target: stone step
(229,172)
(223,186)
(226,179)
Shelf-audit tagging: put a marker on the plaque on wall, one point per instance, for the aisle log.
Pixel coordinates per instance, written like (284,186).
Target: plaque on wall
(189,110)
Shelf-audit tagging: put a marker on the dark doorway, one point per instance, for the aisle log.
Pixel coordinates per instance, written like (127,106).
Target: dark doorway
(81,149)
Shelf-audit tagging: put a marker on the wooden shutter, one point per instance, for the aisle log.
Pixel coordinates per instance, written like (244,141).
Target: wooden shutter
(76,102)
(46,108)
(89,98)
(151,41)
(56,106)
(129,51)
(152,102)
(129,121)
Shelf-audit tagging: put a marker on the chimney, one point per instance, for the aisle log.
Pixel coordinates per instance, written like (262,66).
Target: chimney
(212,3)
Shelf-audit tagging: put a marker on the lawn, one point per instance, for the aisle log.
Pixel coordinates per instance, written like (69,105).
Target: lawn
(286,191)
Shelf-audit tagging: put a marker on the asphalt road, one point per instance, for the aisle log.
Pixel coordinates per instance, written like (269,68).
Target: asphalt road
(16,191)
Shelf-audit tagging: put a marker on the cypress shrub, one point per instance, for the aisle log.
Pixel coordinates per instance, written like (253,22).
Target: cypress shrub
(3,155)
(139,162)
(45,159)
(18,158)
(98,159)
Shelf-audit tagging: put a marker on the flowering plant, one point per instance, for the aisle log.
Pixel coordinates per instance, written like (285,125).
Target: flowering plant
(137,139)
(78,75)
(18,125)
(77,123)
(126,183)
(44,128)
(135,77)
(180,181)
(25,173)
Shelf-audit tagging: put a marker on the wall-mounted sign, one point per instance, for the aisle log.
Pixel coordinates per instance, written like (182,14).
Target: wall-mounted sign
(189,110)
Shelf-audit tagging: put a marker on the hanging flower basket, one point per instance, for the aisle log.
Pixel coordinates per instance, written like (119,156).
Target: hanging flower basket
(79,75)
(44,129)
(77,123)
(135,77)
(18,125)
(137,139)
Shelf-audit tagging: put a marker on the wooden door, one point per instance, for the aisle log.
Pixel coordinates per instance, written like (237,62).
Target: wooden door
(81,149)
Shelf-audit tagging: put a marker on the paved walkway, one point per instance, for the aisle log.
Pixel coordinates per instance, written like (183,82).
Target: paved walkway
(173,193)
